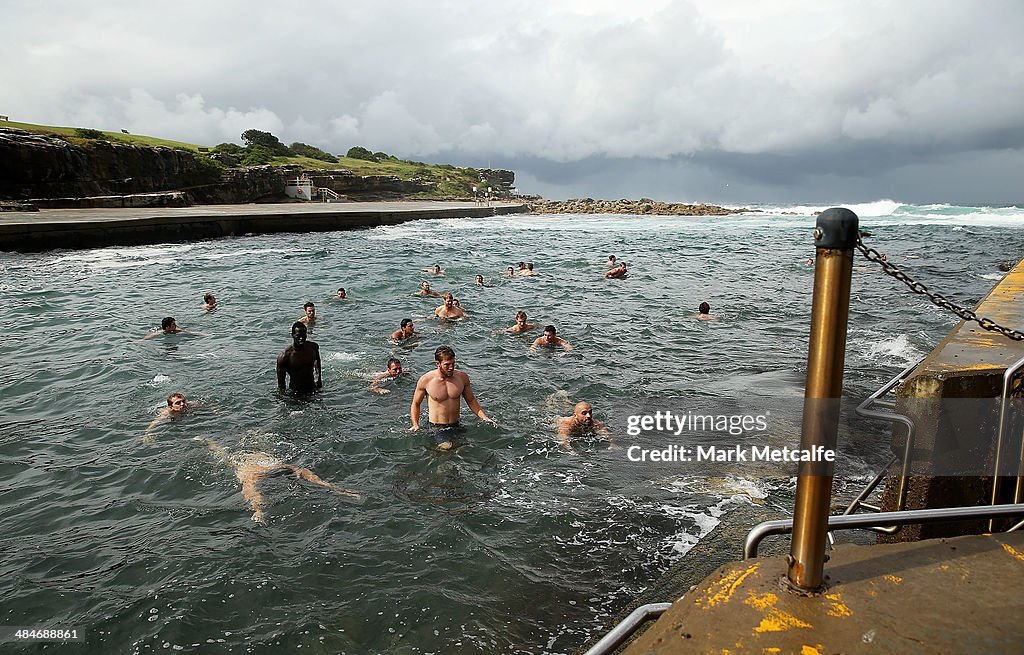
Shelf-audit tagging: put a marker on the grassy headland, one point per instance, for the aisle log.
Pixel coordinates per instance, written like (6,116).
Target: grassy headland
(448,180)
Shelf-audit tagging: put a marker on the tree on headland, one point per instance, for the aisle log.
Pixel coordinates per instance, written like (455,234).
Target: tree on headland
(359,152)
(265,139)
(304,150)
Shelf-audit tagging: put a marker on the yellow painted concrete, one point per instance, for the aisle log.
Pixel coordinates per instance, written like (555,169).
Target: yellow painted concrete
(958,595)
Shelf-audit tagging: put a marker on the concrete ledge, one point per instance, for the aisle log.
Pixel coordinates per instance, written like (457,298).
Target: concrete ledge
(968,364)
(94,228)
(959,595)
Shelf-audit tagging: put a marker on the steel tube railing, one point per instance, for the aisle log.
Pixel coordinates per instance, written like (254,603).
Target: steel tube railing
(906,517)
(625,628)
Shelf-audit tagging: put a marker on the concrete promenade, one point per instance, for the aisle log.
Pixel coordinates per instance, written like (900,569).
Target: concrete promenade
(92,228)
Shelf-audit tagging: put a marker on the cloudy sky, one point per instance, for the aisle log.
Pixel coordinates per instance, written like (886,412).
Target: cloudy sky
(784,101)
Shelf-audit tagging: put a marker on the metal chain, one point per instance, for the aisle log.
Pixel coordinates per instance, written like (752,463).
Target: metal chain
(937,298)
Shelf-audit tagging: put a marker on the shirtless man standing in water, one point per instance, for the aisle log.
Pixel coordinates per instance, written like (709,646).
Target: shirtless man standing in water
(444,388)
(300,361)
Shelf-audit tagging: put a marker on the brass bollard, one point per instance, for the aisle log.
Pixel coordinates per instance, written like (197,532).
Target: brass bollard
(835,238)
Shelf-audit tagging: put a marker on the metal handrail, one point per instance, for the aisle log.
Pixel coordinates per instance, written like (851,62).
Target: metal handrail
(1008,376)
(865,410)
(858,502)
(906,517)
(626,627)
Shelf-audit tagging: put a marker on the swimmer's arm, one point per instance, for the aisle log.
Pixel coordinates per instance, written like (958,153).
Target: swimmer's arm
(375,383)
(282,368)
(474,404)
(565,344)
(319,372)
(215,448)
(564,436)
(152,335)
(161,417)
(417,402)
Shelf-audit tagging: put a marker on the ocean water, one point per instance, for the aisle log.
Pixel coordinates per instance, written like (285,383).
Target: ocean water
(507,545)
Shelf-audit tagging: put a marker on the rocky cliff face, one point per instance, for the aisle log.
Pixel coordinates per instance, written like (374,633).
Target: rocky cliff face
(642,206)
(364,187)
(39,166)
(52,172)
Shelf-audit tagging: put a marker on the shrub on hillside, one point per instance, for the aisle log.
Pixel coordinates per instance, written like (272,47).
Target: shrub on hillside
(304,150)
(229,149)
(359,152)
(257,155)
(89,133)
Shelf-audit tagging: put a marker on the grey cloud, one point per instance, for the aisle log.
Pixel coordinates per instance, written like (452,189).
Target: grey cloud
(768,96)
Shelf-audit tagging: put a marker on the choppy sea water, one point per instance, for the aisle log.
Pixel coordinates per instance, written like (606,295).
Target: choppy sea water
(508,545)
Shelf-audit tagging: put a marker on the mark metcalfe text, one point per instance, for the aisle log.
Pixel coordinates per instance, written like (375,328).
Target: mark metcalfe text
(737,453)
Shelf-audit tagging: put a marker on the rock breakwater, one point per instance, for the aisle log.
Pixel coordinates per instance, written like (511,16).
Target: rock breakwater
(644,206)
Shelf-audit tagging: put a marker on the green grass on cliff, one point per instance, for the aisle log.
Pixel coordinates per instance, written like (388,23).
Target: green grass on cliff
(450,180)
(116,137)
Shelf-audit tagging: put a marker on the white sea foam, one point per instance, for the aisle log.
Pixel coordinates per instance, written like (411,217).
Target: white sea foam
(884,349)
(158,380)
(344,357)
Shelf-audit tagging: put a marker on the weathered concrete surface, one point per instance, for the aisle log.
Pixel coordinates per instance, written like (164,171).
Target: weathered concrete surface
(942,397)
(90,228)
(958,595)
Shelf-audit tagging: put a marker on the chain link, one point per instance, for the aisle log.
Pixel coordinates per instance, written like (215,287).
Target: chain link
(937,298)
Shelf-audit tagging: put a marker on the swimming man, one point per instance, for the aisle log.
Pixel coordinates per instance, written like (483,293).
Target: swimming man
(406,330)
(550,340)
(426,291)
(169,326)
(618,271)
(176,407)
(250,468)
(704,313)
(450,309)
(310,316)
(521,324)
(394,370)
(582,422)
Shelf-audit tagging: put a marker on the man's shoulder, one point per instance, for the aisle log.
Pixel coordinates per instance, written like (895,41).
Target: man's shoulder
(426,377)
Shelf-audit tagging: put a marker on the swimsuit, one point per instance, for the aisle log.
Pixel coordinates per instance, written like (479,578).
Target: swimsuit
(442,432)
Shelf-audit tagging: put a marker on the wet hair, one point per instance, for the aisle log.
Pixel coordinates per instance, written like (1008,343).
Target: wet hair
(341,289)
(520,313)
(167,322)
(529,266)
(176,394)
(443,352)
(299,324)
(612,258)
(405,321)
(447,294)
(550,328)
(309,304)
(208,298)
(393,361)
(704,308)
